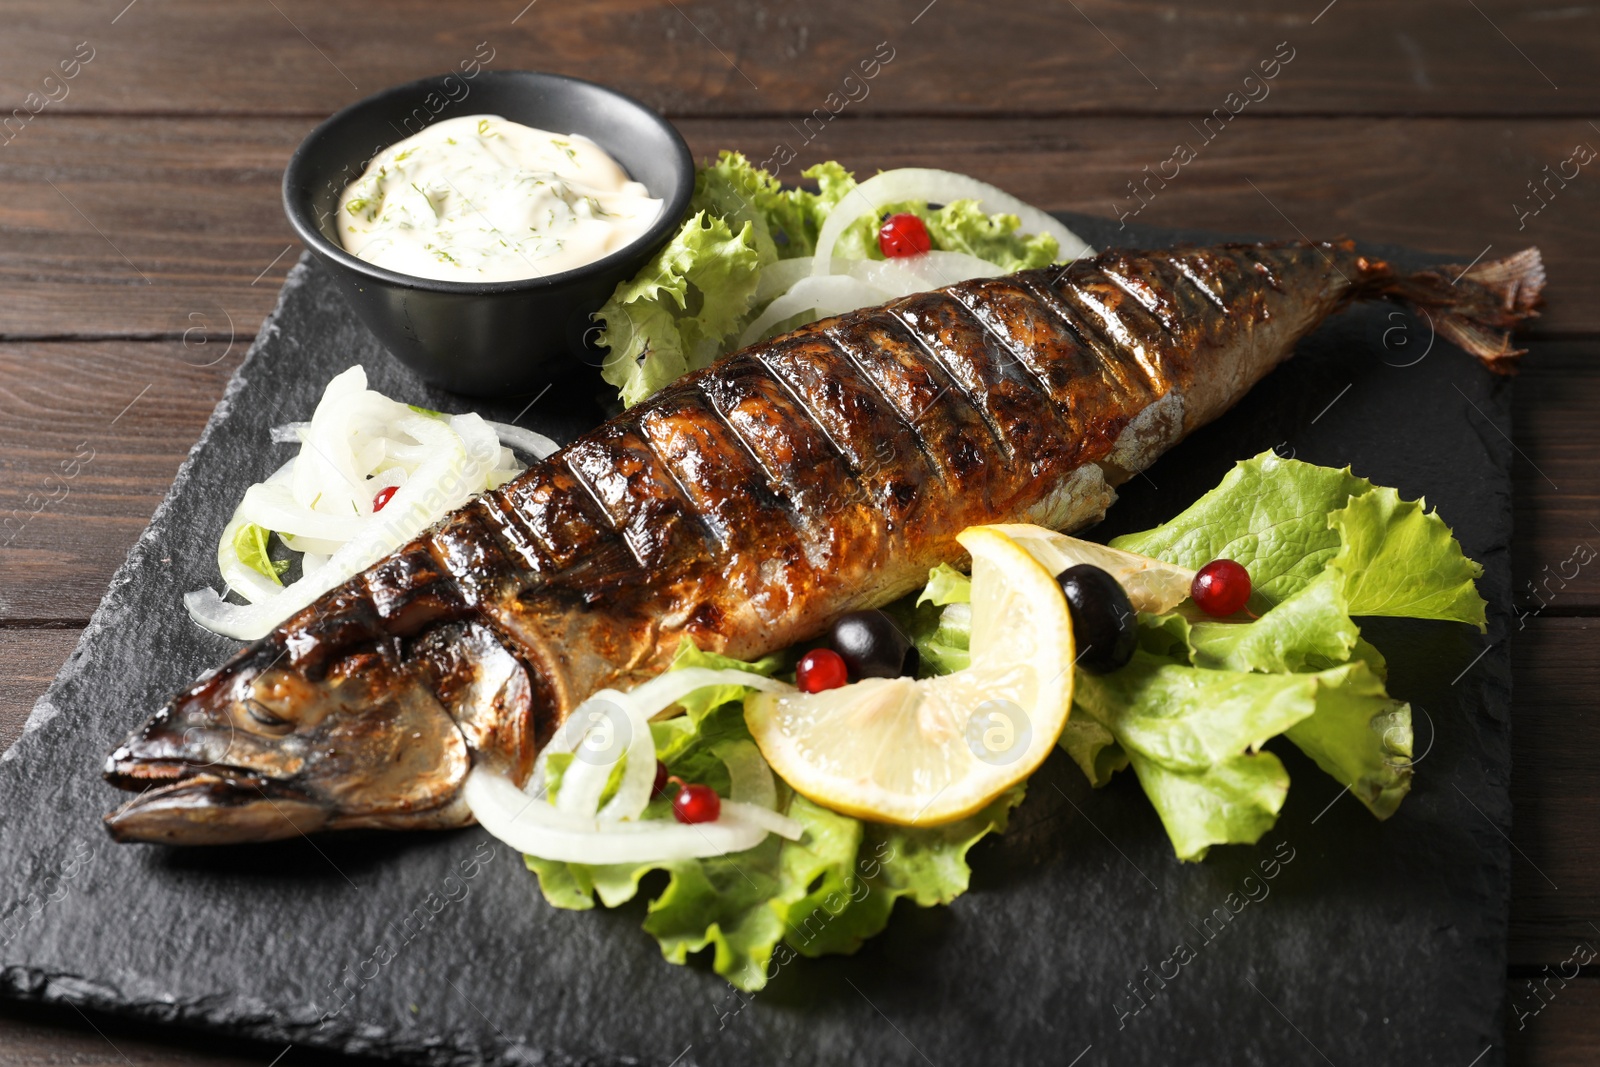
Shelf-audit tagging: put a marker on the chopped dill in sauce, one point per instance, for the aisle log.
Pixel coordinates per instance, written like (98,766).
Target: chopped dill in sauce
(481,198)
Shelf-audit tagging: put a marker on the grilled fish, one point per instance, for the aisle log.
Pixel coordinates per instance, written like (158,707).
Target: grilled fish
(746,506)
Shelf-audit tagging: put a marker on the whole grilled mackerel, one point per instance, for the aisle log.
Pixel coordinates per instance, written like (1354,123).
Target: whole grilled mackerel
(747,506)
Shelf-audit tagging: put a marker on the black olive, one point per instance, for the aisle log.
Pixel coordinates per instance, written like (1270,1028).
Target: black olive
(1104,624)
(872,646)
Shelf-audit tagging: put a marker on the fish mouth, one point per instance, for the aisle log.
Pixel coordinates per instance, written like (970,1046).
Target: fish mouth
(183,801)
(188,805)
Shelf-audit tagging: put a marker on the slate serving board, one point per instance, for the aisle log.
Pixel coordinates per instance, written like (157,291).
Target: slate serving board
(1371,941)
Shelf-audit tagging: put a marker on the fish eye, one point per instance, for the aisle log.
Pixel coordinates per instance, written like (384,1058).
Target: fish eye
(263,717)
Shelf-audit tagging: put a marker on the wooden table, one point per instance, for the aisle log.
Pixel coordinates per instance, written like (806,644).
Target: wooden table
(144,242)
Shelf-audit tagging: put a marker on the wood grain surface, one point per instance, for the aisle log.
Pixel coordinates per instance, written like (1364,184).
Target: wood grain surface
(696,58)
(142,243)
(163,227)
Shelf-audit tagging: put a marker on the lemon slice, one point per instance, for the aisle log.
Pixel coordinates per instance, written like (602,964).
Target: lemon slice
(929,752)
(1152,585)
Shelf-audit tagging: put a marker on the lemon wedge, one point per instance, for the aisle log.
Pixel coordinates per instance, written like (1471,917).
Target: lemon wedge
(1152,585)
(923,753)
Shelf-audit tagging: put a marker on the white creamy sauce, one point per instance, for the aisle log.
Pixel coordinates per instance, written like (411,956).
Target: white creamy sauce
(484,199)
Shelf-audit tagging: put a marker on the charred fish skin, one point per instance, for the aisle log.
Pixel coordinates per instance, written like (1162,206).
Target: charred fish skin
(745,507)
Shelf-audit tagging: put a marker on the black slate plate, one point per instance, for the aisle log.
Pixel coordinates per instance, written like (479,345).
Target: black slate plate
(1373,942)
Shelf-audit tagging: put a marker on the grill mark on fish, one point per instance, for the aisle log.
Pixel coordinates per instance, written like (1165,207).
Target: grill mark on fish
(1186,269)
(469,547)
(759,559)
(710,467)
(510,528)
(971,297)
(1111,365)
(1010,396)
(558,512)
(781,546)
(1265,267)
(799,404)
(856,420)
(1100,305)
(1064,362)
(774,487)
(862,360)
(946,426)
(829,504)
(618,469)
(1164,290)
(958,384)
(1148,286)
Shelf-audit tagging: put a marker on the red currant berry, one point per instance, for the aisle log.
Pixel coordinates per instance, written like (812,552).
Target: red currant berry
(661,780)
(382,498)
(819,669)
(1221,588)
(903,235)
(696,803)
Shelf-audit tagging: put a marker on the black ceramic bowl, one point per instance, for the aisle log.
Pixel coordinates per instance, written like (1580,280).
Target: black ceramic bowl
(491,338)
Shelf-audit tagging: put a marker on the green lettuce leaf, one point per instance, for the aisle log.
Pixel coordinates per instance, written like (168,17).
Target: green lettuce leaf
(1290,522)
(939,622)
(675,315)
(927,865)
(1232,802)
(1192,736)
(946,585)
(1092,747)
(1269,514)
(1397,559)
(702,700)
(1309,630)
(1360,736)
(947,647)
(1188,718)
(250,542)
(963,226)
(960,226)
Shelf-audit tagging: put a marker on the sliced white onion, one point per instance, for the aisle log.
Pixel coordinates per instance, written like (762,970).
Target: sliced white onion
(666,689)
(571,734)
(765,818)
(916,274)
(749,777)
(536,828)
(827,295)
(935,187)
(752,792)
(582,785)
(309,546)
(638,773)
(330,477)
(357,444)
(644,702)
(572,831)
(533,444)
(777,278)
(274,507)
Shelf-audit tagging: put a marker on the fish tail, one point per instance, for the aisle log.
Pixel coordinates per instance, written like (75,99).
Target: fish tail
(1476,306)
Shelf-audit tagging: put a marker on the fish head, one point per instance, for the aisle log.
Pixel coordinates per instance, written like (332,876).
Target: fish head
(379,735)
